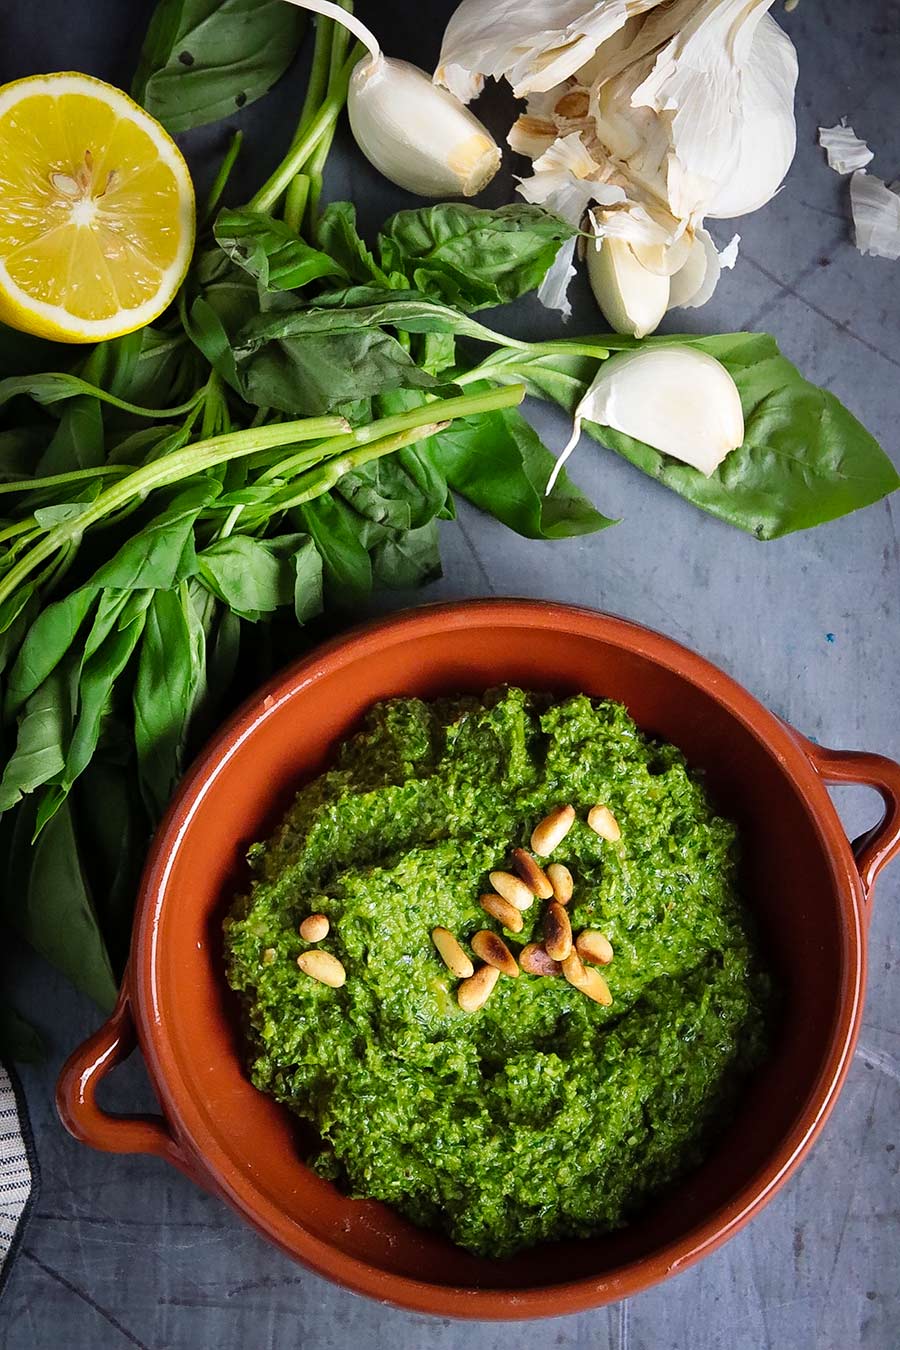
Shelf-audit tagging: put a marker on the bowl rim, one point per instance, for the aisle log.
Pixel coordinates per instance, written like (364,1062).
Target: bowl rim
(209,1161)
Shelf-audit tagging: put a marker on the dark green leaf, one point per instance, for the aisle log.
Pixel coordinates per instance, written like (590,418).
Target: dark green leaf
(22,354)
(499,463)
(169,685)
(204,59)
(48,639)
(250,576)
(77,442)
(347,566)
(471,257)
(308,581)
(409,558)
(48,903)
(112,827)
(271,252)
(161,554)
(19,450)
(43,734)
(338,235)
(20,1042)
(313,374)
(105,659)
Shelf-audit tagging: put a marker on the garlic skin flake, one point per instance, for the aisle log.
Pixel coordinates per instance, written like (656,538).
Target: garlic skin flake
(419,136)
(512,40)
(845,151)
(678,400)
(876,215)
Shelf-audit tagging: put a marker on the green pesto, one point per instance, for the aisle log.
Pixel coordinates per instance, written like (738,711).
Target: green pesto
(543,1115)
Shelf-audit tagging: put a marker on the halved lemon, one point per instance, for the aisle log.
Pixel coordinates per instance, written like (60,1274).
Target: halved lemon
(96,210)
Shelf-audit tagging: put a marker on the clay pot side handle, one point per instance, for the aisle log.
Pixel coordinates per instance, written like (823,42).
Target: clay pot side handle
(875,849)
(76,1095)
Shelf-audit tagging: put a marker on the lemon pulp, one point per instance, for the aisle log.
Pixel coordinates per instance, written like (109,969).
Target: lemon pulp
(97,225)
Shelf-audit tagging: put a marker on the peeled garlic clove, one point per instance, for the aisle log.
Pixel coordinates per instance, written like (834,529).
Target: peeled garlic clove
(676,399)
(419,136)
(632,298)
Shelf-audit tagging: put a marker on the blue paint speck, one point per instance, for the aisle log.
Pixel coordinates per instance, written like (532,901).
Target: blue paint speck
(829,637)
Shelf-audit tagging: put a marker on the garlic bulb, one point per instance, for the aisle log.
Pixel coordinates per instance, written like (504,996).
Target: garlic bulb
(685,107)
(419,136)
(676,399)
(632,298)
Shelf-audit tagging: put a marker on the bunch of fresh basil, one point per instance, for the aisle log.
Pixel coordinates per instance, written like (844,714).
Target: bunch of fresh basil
(160,502)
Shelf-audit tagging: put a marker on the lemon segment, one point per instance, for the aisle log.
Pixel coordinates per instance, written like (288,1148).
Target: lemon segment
(97,225)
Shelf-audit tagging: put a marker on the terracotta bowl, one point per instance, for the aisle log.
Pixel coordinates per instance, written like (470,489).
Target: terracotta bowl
(811,889)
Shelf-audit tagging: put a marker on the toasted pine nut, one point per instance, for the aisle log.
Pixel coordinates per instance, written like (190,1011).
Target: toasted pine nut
(534,877)
(586,979)
(574,969)
(573,104)
(594,946)
(596,987)
(603,822)
(535,961)
(492,949)
(322,966)
(314,928)
(561,880)
(557,931)
(268,956)
(502,911)
(512,889)
(552,830)
(474,992)
(451,953)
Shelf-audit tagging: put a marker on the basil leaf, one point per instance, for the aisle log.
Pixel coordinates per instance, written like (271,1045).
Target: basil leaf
(112,828)
(363,307)
(39,755)
(308,581)
(338,235)
(44,646)
(271,252)
(203,59)
(47,901)
(168,686)
(498,462)
(346,563)
(471,257)
(409,558)
(19,1041)
(306,374)
(805,459)
(104,662)
(162,553)
(249,575)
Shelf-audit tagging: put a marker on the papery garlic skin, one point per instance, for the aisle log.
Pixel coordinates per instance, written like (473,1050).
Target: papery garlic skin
(676,399)
(416,134)
(632,298)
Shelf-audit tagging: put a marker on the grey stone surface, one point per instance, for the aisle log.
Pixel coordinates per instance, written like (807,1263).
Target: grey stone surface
(122,1250)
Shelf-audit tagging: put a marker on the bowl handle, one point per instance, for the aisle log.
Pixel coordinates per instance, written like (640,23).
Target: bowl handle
(877,846)
(76,1095)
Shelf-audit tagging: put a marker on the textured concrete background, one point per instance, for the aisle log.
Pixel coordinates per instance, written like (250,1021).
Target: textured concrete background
(123,1251)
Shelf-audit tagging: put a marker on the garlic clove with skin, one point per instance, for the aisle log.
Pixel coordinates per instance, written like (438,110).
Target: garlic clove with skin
(418,135)
(632,298)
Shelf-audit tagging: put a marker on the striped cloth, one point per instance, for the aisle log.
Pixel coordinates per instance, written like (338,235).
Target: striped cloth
(17,1170)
